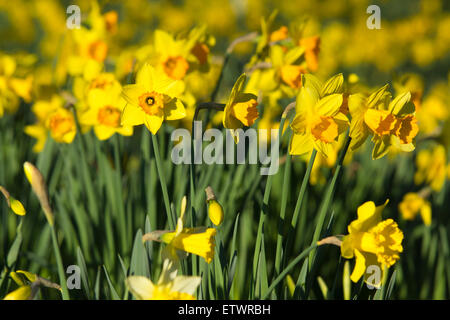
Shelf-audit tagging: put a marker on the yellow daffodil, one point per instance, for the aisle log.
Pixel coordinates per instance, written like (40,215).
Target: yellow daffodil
(372,241)
(197,240)
(280,34)
(152,100)
(105,109)
(15,205)
(21,293)
(54,118)
(312,49)
(318,121)
(241,108)
(412,204)
(82,87)
(176,56)
(25,279)
(91,50)
(433,110)
(413,83)
(391,123)
(169,286)
(432,167)
(12,87)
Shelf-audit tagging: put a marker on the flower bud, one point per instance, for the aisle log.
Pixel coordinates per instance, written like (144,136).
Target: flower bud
(39,187)
(15,205)
(215,210)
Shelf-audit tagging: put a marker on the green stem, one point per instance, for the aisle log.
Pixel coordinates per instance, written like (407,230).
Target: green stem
(59,264)
(162,179)
(299,203)
(287,270)
(119,196)
(326,202)
(324,208)
(281,222)
(91,196)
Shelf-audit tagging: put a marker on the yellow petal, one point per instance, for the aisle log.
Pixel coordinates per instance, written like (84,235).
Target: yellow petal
(174,110)
(132,116)
(17,207)
(153,123)
(347,247)
(141,287)
(333,85)
(185,284)
(425,213)
(104,132)
(301,144)
(360,266)
(329,105)
(145,77)
(22,293)
(132,92)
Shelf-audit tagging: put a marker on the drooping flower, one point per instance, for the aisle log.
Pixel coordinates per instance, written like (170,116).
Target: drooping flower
(372,241)
(412,204)
(318,121)
(241,108)
(196,240)
(392,123)
(24,280)
(169,286)
(152,100)
(432,167)
(15,205)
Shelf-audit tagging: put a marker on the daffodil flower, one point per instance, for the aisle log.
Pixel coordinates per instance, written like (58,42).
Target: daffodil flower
(197,240)
(372,241)
(432,167)
(392,123)
(169,286)
(241,108)
(152,100)
(105,109)
(54,118)
(312,48)
(412,204)
(318,121)
(26,280)
(12,87)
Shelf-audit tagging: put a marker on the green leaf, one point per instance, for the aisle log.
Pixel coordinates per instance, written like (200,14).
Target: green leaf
(13,252)
(84,274)
(113,291)
(139,265)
